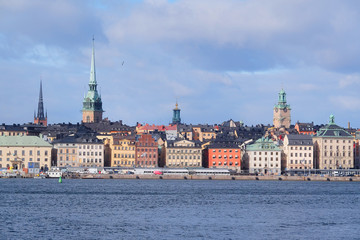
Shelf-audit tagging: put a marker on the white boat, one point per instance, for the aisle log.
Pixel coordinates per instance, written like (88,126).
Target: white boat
(54,173)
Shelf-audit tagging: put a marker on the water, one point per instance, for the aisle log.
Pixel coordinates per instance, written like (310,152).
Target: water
(178,209)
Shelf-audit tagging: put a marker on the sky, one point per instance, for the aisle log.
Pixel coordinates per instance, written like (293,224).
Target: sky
(220,60)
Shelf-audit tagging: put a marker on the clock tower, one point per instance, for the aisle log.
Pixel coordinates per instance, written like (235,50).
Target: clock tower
(282,116)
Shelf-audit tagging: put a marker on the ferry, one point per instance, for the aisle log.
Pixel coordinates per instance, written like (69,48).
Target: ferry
(54,173)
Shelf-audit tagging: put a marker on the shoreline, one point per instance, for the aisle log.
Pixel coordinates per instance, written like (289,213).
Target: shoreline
(216,177)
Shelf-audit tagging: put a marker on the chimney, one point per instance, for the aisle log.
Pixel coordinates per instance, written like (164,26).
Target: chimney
(348,125)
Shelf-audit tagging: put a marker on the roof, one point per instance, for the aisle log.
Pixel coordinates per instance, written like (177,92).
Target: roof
(299,139)
(333,130)
(25,141)
(263,144)
(305,127)
(82,139)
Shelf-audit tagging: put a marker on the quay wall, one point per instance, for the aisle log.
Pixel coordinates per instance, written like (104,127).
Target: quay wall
(212,177)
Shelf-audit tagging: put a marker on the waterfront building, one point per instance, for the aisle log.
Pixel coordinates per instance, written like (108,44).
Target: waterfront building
(181,153)
(222,155)
(263,157)
(92,105)
(185,131)
(21,152)
(40,118)
(282,116)
(203,132)
(176,115)
(147,151)
(12,130)
(305,128)
(298,151)
(334,147)
(122,150)
(357,150)
(79,150)
(171,132)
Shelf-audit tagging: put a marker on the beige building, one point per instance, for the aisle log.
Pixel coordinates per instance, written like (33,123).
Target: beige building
(298,150)
(122,151)
(21,152)
(263,157)
(182,153)
(79,151)
(334,147)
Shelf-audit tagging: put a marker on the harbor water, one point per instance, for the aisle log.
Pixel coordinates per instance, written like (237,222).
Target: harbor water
(178,209)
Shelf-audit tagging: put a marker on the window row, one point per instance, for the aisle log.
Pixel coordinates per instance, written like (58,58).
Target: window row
(124,155)
(90,153)
(90,146)
(225,164)
(337,147)
(183,151)
(124,148)
(23,153)
(300,161)
(91,160)
(23,159)
(225,150)
(301,148)
(146,162)
(337,154)
(300,154)
(271,165)
(266,153)
(337,141)
(183,157)
(183,164)
(124,163)
(338,162)
(271,159)
(225,156)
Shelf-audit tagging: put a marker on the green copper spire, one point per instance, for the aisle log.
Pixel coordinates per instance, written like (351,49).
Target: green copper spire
(92,70)
(331,119)
(282,100)
(92,100)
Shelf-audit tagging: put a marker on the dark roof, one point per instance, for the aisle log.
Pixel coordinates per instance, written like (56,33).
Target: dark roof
(299,139)
(305,127)
(333,130)
(88,139)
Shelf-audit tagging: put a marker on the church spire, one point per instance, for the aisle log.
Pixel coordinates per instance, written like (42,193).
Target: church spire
(40,117)
(92,70)
(92,104)
(40,113)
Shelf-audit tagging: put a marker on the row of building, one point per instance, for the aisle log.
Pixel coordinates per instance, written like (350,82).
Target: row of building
(231,145)
(98,142)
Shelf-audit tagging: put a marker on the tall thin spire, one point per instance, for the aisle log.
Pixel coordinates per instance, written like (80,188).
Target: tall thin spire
(40,118)
(92,70)
(40,113)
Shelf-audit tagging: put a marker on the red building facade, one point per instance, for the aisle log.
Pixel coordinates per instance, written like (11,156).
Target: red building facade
(222,155)
(147,154)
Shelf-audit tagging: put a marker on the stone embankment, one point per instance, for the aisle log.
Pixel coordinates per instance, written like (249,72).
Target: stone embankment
(212,177)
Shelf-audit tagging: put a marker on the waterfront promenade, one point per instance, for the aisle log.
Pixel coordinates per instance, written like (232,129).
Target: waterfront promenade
(217,177)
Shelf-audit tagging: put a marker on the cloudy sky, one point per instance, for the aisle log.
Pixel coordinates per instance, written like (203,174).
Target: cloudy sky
(222,60)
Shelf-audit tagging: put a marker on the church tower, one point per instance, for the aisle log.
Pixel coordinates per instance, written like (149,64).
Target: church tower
(282,117)
(176,115)
(40,118)
(92,105)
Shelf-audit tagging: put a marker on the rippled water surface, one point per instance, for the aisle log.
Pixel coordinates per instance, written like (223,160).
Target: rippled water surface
(175,209)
